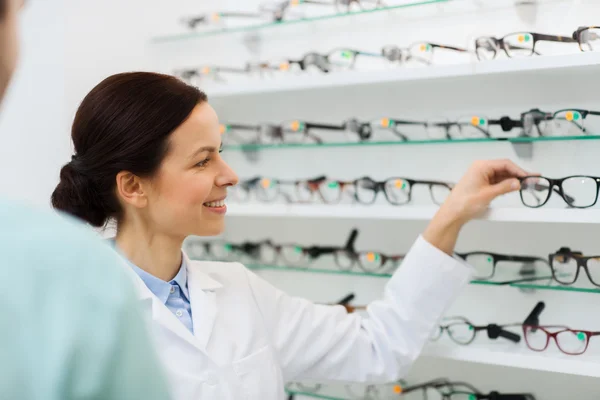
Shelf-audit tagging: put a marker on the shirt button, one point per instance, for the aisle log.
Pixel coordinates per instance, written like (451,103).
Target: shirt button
(211,380)
(172,289)
(179,313)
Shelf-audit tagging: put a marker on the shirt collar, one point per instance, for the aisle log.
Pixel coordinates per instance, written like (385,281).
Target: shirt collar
(160,288)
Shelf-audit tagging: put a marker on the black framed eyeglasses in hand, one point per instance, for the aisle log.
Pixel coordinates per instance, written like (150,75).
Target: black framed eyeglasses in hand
(567,265)
(518,44)
(463,332)
(578,191)
(520,268)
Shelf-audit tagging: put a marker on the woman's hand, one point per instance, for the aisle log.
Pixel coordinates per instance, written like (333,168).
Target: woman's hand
(483,182)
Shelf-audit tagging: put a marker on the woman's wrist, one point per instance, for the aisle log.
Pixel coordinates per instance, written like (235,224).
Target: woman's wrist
(442,232)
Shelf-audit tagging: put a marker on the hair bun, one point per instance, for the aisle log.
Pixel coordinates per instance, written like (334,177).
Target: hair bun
(75,195)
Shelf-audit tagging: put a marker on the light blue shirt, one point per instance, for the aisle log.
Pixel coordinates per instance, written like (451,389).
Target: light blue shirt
(71,327)
(173,294)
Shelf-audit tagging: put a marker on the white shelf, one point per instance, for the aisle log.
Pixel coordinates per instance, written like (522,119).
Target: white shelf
(415,213)
(582,365)
(561,65)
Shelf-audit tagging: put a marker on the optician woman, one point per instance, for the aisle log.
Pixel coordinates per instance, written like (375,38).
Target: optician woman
(147,155)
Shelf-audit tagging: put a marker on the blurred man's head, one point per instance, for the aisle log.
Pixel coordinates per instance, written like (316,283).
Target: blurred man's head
(9,48)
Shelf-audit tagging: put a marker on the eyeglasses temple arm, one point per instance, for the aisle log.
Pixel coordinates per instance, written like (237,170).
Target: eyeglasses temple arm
(239,14)
(442,46)
(514,396)
(347,299)
(351,239)
(495,331)
(554,38)
(312,125)
(534,316)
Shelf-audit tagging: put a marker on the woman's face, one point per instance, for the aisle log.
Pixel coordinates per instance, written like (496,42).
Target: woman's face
(186,195)
(9,46)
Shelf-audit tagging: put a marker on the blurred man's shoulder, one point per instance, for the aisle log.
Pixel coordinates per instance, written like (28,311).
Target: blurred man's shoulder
(43,240)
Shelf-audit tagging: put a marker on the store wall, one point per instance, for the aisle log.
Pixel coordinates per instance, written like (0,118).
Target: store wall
(33,127)
(454,23)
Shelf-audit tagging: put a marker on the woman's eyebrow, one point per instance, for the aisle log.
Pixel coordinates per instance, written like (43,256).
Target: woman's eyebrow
(210,149)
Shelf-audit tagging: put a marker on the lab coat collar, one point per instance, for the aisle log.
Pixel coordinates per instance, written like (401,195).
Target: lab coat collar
(203,302)
(201,280)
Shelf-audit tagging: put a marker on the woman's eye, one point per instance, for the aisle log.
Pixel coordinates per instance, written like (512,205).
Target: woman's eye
(203,163)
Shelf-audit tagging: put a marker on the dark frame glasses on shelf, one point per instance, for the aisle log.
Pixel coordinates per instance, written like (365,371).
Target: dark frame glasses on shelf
(586,34)
(338,58)
(518,44)
(445,389)
(578,191)
(485,265)
(567,264)
(463,332)
(422,52)
(398,191)
(565,122)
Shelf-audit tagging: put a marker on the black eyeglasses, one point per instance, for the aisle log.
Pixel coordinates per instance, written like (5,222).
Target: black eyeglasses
(578,191)
(293,191)
(527,268)
(463,332)
(588,38)
(340,58)
(422,52)
(292,132)
(398,191)
(565,122)
(566,266)
(519,44)
(444,389)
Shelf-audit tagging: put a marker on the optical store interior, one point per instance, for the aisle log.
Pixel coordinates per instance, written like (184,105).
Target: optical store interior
(349,123)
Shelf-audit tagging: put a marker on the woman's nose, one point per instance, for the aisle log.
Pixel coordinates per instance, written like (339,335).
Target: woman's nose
(227,177)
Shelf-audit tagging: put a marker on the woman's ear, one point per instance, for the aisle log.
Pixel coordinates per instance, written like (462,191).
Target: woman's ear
(130,189)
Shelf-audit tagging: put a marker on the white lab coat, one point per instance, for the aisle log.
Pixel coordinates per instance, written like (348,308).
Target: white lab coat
(250,338)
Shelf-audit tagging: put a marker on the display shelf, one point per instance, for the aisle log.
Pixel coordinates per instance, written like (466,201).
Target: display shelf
(408,212)
(312,270)
(313,395)
(257,146)
(261,26)
(522,357)
(559,66)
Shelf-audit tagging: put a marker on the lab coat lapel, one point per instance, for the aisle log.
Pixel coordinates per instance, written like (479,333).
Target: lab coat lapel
(203,299)
(162,315)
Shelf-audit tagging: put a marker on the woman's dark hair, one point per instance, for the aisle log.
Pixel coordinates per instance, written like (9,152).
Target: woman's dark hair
(2,9)
(123,124)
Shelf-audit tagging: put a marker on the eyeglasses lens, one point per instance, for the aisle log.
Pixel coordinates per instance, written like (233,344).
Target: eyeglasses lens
(535,191)
(589,39)
(519,44)
(580,191)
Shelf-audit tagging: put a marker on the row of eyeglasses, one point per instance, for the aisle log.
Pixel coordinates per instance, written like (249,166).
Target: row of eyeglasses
(532,123)
(514,45)
(365,190)
(537,337)
(437,389)
(563,266)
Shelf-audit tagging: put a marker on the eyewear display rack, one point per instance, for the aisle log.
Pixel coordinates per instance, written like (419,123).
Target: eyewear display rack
(560,78)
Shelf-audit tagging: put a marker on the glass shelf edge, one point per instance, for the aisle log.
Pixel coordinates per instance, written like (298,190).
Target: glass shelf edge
(224,31)
(255,147)
(366,274)
(313,395)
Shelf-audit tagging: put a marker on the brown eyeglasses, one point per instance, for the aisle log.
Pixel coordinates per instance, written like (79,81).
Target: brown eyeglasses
(566,266)
(518,44)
